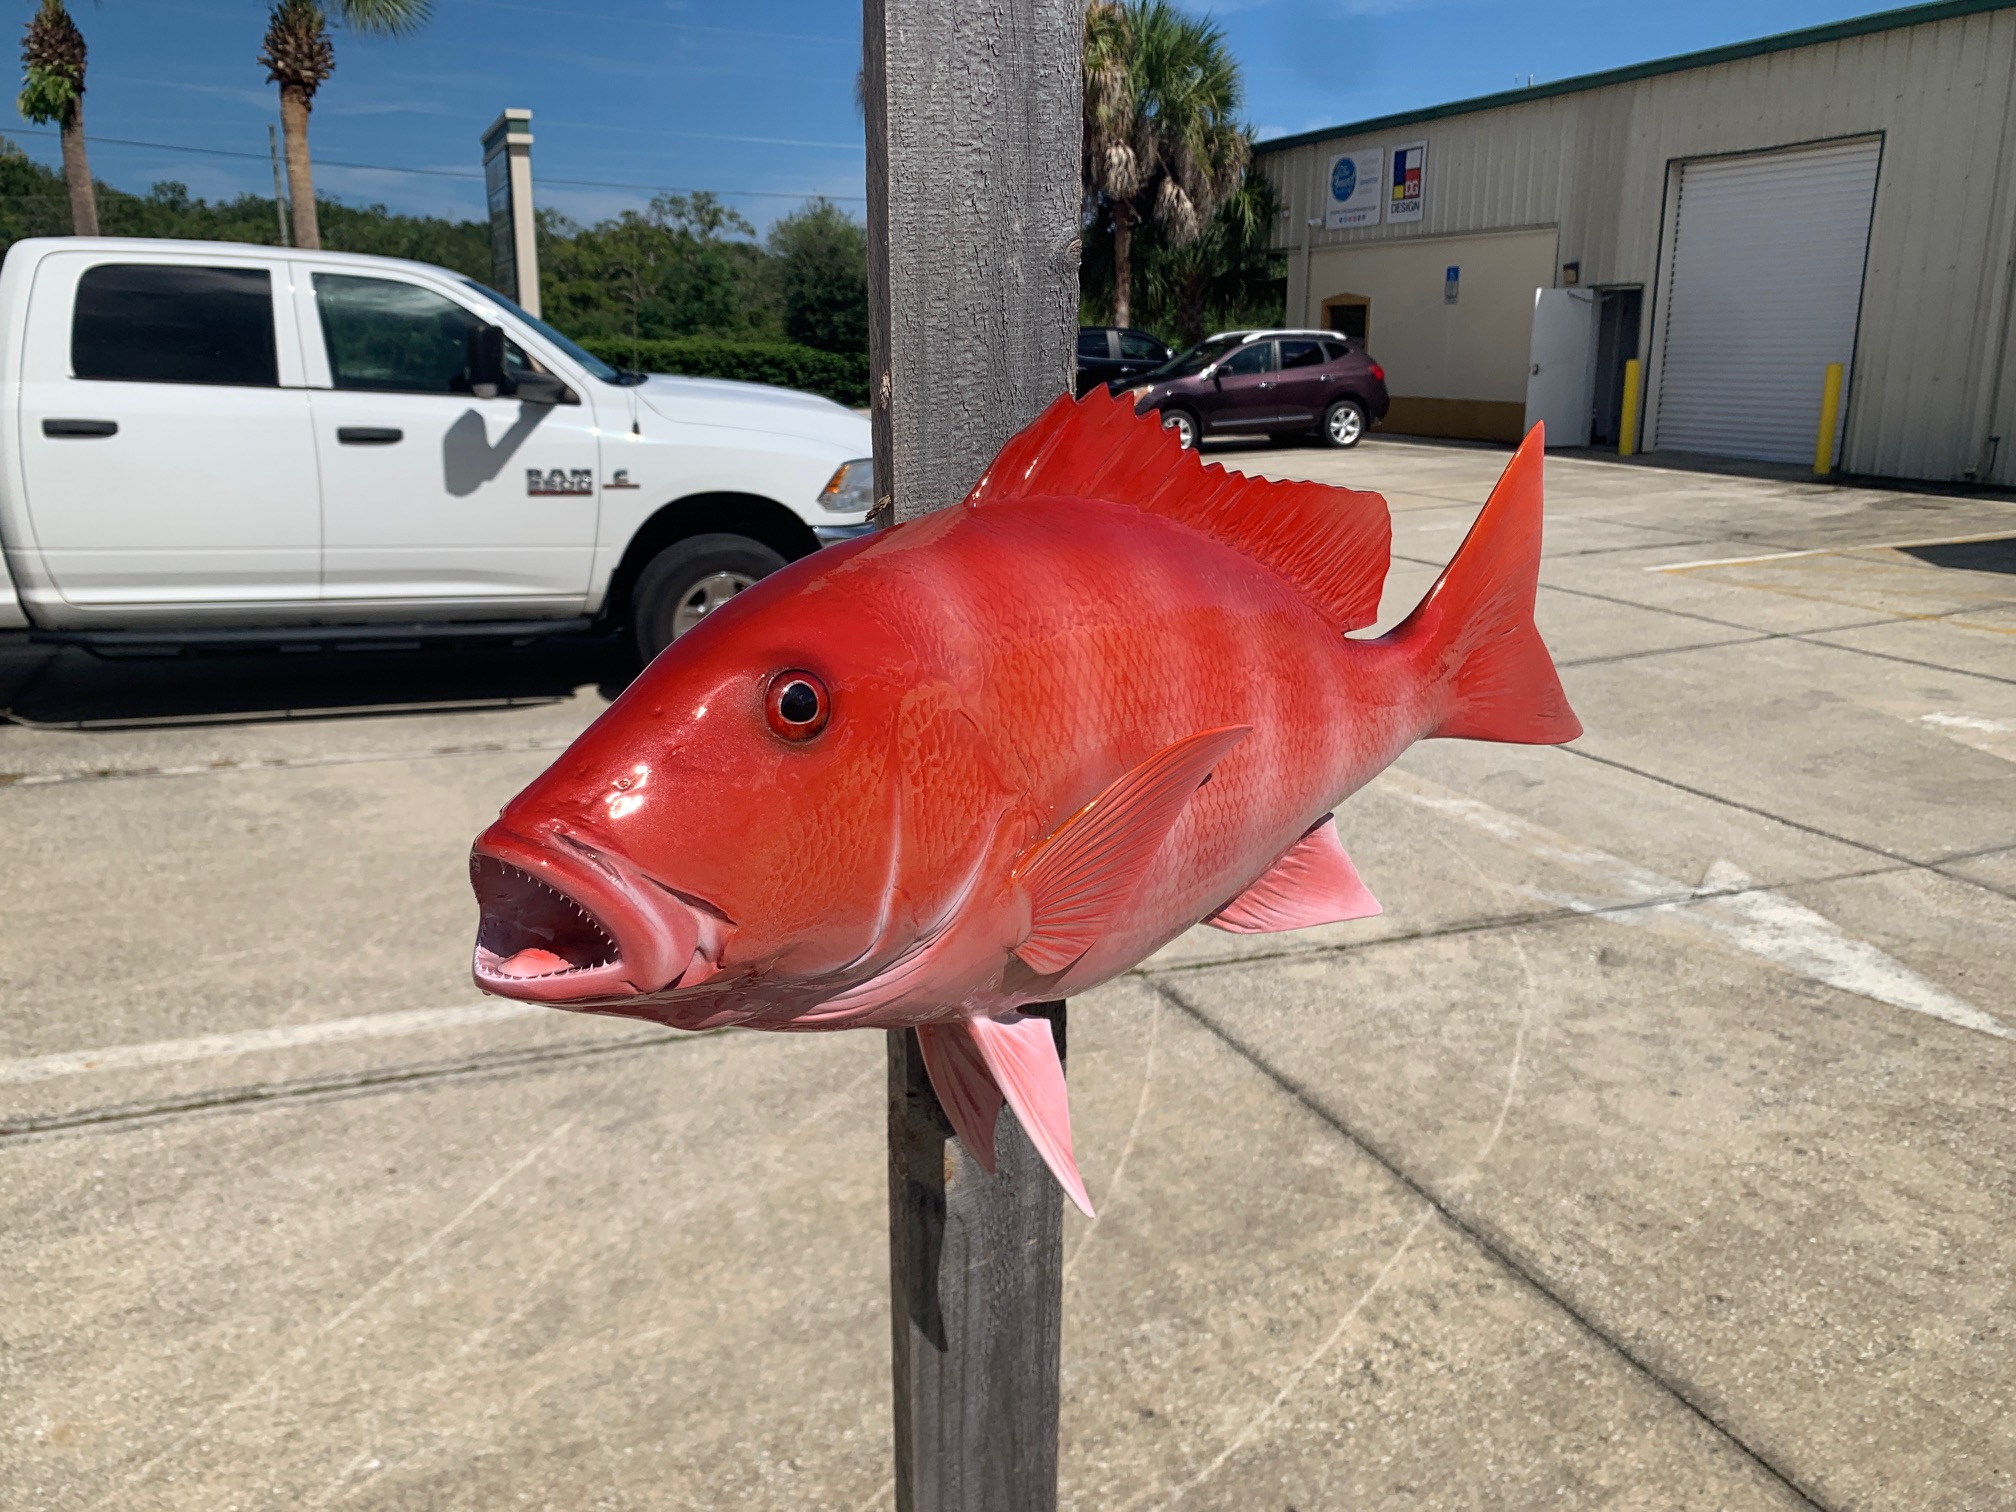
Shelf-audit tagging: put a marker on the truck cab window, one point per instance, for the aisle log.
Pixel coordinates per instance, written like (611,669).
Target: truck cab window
(159,323)
(391,336)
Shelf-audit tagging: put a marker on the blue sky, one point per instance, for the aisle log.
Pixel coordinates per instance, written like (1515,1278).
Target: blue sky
(755,99)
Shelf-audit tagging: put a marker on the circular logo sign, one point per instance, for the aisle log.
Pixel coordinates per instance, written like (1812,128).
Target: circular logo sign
(1343,179)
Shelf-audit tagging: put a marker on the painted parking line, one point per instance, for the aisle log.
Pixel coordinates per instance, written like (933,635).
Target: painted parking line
(1786,556)
(1727,909)
(199,1047)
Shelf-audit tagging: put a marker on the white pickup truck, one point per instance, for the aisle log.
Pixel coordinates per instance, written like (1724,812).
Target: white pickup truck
(206,442)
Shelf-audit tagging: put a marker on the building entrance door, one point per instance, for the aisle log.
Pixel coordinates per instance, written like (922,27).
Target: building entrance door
(1349,315)
(1617,314)
(1563,364)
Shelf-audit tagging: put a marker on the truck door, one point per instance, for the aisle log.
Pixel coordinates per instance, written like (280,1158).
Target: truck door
(432,496)
(166,448)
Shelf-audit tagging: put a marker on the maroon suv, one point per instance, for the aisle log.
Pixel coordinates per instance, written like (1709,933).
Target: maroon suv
(1271,383)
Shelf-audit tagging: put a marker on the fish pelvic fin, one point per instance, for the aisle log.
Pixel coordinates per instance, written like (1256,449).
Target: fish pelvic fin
(1473,636)
(1332,544)
(1020,1055)
(1080,875)
(1314,882)
(965,1087)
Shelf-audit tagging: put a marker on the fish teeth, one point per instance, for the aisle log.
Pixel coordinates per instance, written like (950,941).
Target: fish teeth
(610,953)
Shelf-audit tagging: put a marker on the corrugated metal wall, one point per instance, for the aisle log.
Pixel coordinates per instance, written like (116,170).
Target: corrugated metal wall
(1929,385)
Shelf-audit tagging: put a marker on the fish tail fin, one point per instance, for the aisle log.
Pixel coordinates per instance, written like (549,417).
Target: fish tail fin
(1473,636)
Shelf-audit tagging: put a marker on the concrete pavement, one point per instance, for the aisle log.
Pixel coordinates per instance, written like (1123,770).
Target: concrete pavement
(1652,1150)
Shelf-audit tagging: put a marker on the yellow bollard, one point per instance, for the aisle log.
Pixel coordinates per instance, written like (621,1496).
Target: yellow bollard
(1627,430)
(1830,411)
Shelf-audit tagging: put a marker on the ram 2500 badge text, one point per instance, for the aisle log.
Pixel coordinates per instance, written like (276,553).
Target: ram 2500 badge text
(207,442)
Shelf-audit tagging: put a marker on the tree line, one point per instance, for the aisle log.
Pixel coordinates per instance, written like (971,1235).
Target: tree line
(685,266)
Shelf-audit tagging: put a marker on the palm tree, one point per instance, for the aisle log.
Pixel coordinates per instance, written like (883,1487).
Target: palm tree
(1161,90)
(1227,270)
(299,57)
(52,90)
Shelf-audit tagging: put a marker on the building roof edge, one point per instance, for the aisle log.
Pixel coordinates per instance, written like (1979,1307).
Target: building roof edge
(1810,36)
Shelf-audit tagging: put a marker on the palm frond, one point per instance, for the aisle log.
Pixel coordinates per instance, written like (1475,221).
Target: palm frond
(297,49)
(52,64)
(385,18)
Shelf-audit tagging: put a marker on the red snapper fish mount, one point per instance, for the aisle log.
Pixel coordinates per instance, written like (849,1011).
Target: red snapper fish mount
(1001,754)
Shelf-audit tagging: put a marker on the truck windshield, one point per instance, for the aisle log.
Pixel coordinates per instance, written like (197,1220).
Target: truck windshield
(1189,364)
(587,359)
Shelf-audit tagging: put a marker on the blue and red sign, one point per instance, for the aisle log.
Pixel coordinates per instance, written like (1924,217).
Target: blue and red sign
(1408,180)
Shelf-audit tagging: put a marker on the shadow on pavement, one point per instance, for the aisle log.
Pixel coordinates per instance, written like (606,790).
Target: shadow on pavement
(1998,555)
(70,687)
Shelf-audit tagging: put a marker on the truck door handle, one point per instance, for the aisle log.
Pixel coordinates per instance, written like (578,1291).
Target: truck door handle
(1265,383)
(80,427)
(368,435)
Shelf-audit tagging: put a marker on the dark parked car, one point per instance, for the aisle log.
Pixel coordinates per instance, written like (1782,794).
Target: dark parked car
(1272,383)
(1108,354)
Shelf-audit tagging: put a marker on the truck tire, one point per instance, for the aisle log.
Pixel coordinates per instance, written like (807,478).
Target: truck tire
(690,579)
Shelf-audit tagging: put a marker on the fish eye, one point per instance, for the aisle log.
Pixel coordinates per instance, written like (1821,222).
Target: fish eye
(797,705)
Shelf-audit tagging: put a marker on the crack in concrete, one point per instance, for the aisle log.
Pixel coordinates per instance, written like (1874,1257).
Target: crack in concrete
(1498,1249)
(113,1118)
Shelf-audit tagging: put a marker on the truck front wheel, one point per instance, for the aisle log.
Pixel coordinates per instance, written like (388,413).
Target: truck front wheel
(688,581)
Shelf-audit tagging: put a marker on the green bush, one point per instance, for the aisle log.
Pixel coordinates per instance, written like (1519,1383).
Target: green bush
(840,377)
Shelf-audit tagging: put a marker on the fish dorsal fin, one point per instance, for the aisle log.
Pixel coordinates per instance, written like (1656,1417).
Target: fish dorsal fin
(965,1087)
(1332,544)
(1091,863)
(1314,882)
(1021,1057)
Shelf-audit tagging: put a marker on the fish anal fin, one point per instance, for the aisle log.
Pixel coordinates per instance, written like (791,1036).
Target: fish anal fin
(965,1087)
(1314,882)
(1021,1055)
(1332,544)
(1090,864)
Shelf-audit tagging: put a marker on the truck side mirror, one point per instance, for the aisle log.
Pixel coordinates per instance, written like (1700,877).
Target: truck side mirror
(487,377)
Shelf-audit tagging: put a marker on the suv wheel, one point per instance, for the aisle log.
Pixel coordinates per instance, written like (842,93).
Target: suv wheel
(688,581)
(1184,424)
(1344,423)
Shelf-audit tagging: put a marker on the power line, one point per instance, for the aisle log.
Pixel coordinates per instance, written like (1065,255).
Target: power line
(467,174)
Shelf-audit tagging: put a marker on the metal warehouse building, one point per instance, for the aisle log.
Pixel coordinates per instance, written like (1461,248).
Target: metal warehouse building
(1737,218)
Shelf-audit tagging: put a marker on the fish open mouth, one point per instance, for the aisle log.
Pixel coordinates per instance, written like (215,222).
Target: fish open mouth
(531,931)
(569,923)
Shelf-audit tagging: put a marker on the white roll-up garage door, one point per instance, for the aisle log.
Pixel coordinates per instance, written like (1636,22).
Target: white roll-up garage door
(1765,287)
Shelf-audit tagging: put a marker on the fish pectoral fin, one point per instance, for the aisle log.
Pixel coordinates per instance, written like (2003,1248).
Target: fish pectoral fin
(1091,863)
(1313,883)
(964,1085)
(1020,1057)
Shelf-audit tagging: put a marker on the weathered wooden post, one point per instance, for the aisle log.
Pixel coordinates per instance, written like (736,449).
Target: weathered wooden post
(973,118)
